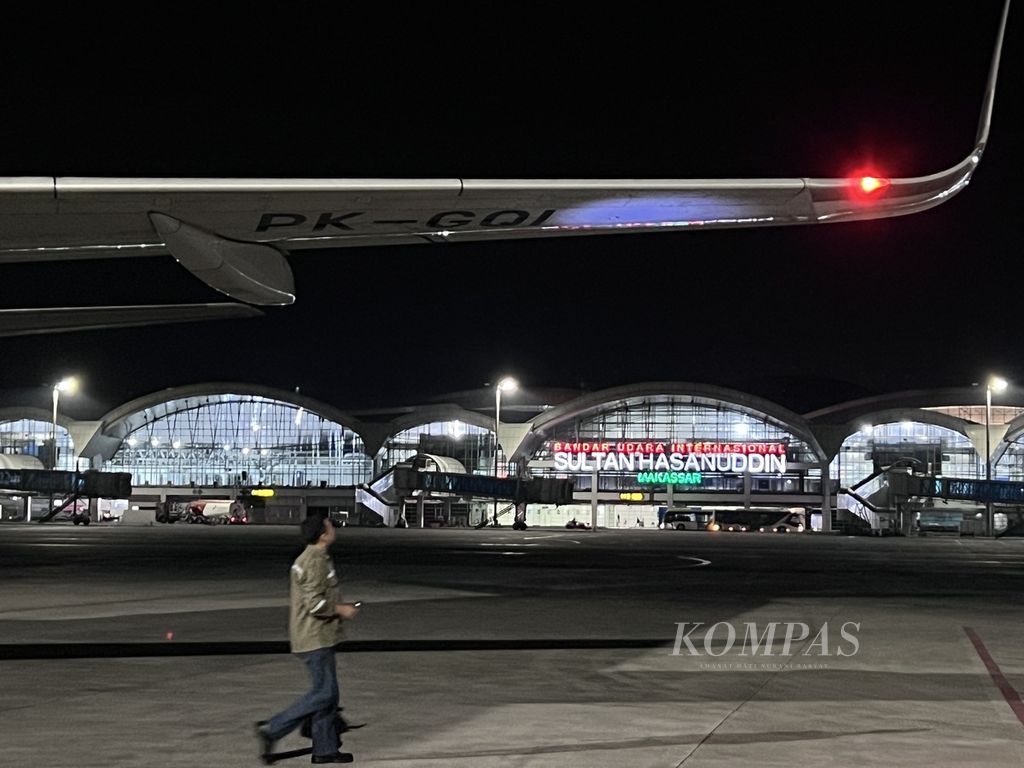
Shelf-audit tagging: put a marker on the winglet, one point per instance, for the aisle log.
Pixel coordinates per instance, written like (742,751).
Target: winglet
(831,198)
(990,91)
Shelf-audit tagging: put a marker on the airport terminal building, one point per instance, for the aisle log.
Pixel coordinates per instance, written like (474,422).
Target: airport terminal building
(632,452)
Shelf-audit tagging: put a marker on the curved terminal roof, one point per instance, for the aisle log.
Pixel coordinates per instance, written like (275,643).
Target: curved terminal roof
(17,413)
(698,394)
(836,423)
(863,408)
(133,415)
(439,413)
(538,411)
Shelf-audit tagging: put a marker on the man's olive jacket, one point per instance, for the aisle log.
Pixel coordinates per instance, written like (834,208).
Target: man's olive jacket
(313,622)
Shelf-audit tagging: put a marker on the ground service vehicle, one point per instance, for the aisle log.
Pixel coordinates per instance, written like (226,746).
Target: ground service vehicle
(203,511)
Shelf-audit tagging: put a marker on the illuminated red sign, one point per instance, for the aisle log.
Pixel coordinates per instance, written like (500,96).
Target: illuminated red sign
(654,447)
(662,456)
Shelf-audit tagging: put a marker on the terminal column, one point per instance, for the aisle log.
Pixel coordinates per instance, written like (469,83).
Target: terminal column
(826,499)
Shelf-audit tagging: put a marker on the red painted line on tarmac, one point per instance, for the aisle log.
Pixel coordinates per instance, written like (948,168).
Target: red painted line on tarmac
(1008,691)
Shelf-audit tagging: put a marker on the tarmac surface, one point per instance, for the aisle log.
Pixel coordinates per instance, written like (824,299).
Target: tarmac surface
(128,646)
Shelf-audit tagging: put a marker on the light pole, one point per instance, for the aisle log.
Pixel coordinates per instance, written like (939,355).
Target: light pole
(69,386)
(507,384)
(997,385)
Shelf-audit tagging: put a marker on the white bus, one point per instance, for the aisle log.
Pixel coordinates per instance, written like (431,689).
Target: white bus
(756,519)
(687,519)
(759,519)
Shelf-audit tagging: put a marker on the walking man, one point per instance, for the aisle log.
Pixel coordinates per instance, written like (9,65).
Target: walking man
(314,628)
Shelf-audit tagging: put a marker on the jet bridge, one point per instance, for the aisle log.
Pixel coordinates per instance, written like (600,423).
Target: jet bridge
(428,476)
(70,486)
(881,500)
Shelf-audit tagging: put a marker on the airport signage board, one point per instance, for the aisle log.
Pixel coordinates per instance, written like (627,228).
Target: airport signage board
(668,462)
(670,478)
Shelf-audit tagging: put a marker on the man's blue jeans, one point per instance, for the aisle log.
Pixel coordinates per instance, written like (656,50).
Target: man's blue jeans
(321,702)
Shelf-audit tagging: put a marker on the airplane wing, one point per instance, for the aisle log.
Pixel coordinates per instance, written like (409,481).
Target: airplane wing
(25,322)
(235,234)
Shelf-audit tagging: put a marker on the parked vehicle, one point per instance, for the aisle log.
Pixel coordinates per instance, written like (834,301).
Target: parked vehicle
(217,512)
(203,512)
(759,519)
(111,510)
(81,517)
(687,520)
(78,512)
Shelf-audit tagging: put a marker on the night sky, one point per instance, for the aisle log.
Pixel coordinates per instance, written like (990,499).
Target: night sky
(806,316)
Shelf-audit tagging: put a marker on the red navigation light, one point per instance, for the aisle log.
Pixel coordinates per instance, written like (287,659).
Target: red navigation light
(871,184)
(868,185)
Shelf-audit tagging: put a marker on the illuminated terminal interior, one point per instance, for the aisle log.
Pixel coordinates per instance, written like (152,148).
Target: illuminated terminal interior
(240,439)
(471,445)
(33,438)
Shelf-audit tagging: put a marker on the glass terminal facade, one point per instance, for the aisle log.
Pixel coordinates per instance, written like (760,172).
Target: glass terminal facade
(31,437)
(471,445)
(1010,465)
(632,452)
(926,447)
(241,440)
(677,419)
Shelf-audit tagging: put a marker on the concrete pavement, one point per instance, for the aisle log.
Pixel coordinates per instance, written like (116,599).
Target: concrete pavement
(915,692)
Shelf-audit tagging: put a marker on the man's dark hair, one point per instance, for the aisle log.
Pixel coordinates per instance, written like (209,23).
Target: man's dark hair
(312,528)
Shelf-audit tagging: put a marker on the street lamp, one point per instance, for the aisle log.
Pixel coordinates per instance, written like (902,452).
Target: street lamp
(997,385)
(507,384)
(68,386)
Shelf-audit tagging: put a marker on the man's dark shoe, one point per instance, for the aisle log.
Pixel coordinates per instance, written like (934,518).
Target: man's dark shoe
(337,757)
(266,743)
(343,725)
